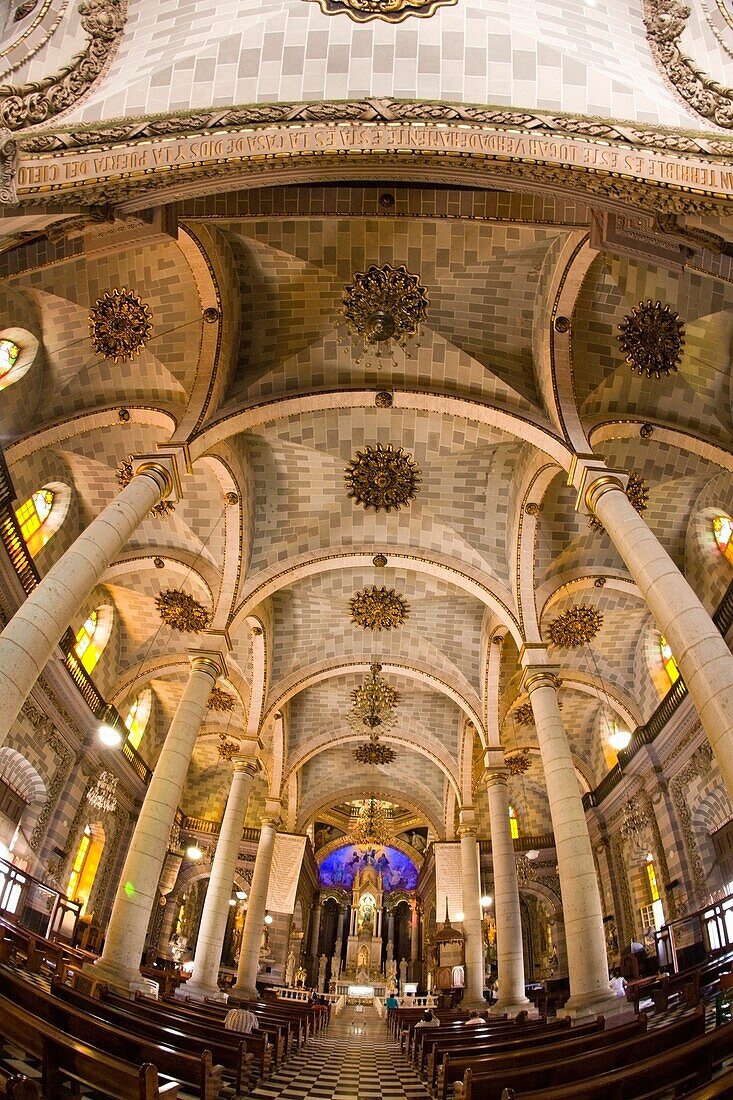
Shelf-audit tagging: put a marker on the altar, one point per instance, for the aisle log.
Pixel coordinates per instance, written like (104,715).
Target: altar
(355,992)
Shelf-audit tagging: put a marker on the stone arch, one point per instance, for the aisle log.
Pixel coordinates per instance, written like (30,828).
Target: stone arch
(22,778)
(711,812)
(381,789)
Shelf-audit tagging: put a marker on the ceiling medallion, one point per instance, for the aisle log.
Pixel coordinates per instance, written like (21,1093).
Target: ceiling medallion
(524,715)
(637,492)
(124,477)
(373,703)
(182,612)
(384,305)
(378,608)
(379,560)
(119,324)
(391,11)
(372,825)
(382,478)
(220,701)
(372,752)
(227,749)
(652,337)
(576,626)
(518,762)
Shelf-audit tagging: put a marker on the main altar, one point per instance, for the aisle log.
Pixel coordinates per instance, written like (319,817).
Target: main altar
(362,976)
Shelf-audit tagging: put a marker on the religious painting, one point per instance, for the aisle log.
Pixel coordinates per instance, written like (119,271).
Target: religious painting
(396,870)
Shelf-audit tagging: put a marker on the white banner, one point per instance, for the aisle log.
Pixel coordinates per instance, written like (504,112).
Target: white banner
(286,862)
(448,882)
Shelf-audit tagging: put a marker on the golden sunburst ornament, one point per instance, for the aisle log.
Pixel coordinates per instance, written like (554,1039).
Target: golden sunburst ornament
(518,762)
(119,324)
(373,752)
(182,612)
(384,305)
(652,338)
(378,608)
(124,477)
(382,478)
(220,701)
(637,492)
(524,715)
(227,749)
(576,626)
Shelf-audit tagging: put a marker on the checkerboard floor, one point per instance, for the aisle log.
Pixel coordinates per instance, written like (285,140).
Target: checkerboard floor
(356,1059)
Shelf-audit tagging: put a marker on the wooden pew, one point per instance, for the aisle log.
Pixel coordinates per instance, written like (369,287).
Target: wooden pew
(684,987)
(278,1033)
(64,1058)
(20,1088)
(421,1035)
(690,1063)
(474,1037)
(186,1063)
(285,1032)
(491,1074)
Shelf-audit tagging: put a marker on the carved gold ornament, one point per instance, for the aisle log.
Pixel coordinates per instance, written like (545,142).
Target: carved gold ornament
(119,324)
(373,752)
(384,305)
(182,612)
(652,338)
(637,492)
(220,701)
(227,749)
(162,508)
(391,11)
(372,824)
(382,478)
(524,715)
(518,762)
(378,608)
(373,703)
(576,626)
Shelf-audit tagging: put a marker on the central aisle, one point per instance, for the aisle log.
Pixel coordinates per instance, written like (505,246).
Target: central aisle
(356,1059)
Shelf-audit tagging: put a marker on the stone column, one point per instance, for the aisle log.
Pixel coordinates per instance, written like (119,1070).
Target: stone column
(340,931)
(509,953)
(136,893)
(473,993)
(315,928)
(701,652)
(414,930)
(586,943)
(390,933)
(204,979)
(31,636)
(249,953)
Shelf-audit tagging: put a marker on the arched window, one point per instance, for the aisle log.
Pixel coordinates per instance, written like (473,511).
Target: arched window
(92,636)
(17,352)
(33,517)
(138,717)
(85,865)
(670,665)
(723,531)
(9,352)
(513,823)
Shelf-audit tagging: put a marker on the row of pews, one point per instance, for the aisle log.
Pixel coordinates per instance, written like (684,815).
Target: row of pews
(142,1049)
(502,1060)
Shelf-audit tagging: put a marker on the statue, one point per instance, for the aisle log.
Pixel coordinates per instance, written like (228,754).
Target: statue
(290,968)
(390,950)
(322,962)
(403,973)
(391,973)
(335,967)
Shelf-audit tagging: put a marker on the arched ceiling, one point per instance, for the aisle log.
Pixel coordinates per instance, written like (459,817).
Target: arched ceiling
(274,401)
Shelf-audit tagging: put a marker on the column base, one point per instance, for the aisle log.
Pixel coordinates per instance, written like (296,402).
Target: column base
(511,1008)
(241,993)
(124,980)
(601,1003)
(475,1002)
(199,992)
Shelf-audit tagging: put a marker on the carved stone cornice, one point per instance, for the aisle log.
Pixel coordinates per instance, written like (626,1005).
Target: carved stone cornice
(30,104)
(665,22)
(8,165)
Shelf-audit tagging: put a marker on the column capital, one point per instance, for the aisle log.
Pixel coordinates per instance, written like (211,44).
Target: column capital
(536,676)
(467,822)
(590,477)
(166,468)
(273,810)
(208,661)
(246,758)
(494,776)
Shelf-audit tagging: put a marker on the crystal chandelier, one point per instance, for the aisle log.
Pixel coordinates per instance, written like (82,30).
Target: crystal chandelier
(103,795)
(372,825)
(633,823)
(384,306)
(373,752)
(373,703)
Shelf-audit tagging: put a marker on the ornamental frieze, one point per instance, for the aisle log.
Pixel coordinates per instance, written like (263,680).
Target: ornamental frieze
(390,11)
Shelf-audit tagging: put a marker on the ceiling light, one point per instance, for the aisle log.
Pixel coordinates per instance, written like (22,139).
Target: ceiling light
(109,736)
(460,916)
(268,918)
(241,895)
(619,739)
(193,852)
(486,901)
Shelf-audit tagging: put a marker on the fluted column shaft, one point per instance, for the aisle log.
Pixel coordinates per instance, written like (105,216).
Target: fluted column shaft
(510,956)
(137,890)
(701,652)
(586,944)
(473,993)
(340,930)
(29,639)
(204,978)
(249,952)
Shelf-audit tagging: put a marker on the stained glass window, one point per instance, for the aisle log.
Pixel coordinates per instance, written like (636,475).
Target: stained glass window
(9,352)
(138,717)
(87,652)
(670,665)
(78,866)
(723,531)
(513,823)
(32,517)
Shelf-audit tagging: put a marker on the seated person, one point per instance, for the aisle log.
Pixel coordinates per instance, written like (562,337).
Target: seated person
(617,983)
(429,1019)
(475,1019)
(241,1019)
(521,1017)
(392,1001)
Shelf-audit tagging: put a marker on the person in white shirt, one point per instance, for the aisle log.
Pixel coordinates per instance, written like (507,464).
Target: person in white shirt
(475,1019)
(428,1020)
(241,1019)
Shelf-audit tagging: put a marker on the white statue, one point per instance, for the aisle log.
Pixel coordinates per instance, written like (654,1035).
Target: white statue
(391,973)
(403,973)
(322,962)
(335,967)
(290,968)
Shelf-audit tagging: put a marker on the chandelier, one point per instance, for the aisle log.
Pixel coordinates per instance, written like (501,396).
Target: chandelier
(373,703)
(378,608)
(633,823)
(576,626)
(382,478)
(119,324)
(372,752)
(384,304)
(103,795)
(372,825)
(652,338)
(182,612)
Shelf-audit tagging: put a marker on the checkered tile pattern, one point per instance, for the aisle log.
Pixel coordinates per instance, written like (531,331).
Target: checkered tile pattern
(354,1060)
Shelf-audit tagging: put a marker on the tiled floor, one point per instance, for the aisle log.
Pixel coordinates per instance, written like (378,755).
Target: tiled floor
(356,1059)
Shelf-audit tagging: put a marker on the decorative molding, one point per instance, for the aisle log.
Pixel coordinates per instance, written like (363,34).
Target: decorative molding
(31,104)
(8,166)
(665,21)
(60,776)
(390,11)
(378,608)
(699,764)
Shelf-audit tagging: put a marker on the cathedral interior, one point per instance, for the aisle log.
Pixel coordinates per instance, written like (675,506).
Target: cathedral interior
(366,494)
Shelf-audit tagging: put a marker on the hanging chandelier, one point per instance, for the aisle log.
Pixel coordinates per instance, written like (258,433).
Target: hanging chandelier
(384,306)
(372,825)
(373,703)
(373,752)
(103,795)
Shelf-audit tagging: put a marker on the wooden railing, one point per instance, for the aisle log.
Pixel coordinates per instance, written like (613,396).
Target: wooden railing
(523,843)
(204,826)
